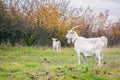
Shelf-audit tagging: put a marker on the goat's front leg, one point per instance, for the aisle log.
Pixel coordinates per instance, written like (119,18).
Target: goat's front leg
(55,49)
(99,61)
(99,58)
(78,54)
(84,59)
(58,49)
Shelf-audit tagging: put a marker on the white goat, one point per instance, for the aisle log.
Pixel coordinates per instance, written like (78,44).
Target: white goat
(56,45)
(87,46)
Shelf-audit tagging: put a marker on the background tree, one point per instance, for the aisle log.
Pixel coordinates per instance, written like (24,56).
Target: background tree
(35,22)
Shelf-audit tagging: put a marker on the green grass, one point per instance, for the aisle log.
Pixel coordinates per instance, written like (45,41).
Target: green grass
(36,63)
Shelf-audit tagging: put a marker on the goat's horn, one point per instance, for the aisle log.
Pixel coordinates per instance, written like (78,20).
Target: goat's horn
(76,27)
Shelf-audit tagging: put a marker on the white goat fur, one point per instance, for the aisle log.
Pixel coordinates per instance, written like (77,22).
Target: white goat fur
(87,46)
(56,45)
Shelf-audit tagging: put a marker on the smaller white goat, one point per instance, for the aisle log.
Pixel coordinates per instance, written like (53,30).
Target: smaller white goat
(87,46)
(56,45)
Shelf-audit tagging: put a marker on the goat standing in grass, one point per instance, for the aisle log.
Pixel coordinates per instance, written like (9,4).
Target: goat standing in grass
(87,46)
(56,45)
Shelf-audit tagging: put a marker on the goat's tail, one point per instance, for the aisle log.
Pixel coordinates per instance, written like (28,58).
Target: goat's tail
(105,40)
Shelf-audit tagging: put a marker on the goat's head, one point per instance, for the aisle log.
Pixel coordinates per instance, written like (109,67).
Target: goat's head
(54,39)
(70,34)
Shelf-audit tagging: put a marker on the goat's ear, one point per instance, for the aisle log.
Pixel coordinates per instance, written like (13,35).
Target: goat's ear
(66,30)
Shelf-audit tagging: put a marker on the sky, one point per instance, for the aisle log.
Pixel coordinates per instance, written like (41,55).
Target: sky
(100,5)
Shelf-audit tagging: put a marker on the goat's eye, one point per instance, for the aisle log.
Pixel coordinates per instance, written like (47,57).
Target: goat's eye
(71,32)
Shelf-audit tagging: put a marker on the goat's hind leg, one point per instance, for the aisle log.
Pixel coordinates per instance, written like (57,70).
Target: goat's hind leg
(99,58)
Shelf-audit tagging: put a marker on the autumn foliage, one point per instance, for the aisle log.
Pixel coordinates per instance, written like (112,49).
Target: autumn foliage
(35,22)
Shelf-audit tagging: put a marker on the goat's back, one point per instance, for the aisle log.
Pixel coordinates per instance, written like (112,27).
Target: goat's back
(90,44)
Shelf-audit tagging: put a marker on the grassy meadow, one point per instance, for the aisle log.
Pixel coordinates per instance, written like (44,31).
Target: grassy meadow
(36,63)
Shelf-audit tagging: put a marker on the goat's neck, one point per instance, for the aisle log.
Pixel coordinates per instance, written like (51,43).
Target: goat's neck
(74,38)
